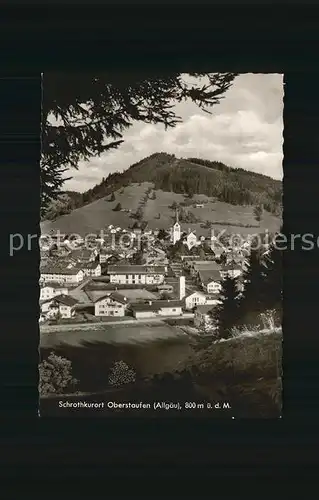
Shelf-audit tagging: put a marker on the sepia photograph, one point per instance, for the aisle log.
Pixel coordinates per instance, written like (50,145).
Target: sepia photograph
(161,245)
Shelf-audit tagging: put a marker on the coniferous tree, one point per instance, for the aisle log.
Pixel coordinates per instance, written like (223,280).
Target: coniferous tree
(226,313)
(258,211)
(252,302)
(274,279)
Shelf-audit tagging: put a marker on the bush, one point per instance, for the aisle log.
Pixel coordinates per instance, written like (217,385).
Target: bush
(55,375)
(121,374)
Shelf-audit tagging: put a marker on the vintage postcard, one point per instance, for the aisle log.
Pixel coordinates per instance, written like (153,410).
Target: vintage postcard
(161,248)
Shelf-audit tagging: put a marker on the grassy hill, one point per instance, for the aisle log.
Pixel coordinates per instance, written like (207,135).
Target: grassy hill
(155,183)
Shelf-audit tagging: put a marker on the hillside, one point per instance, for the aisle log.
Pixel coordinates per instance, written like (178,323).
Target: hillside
(153,184)
(97,215)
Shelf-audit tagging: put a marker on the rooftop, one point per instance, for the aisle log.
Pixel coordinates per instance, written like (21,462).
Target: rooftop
(114,296)
(135,269)
(204,309)
(52,284)
(90,265)
(207,276)
(191,292)
(206,264)
(156,305)
(82,253)
(66,300)
(55,269)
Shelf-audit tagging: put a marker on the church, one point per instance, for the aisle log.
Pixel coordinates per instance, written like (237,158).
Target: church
(176,233)
(190,239)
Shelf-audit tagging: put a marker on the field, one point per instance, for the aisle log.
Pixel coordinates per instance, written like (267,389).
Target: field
(149,349)
(244,372)
(98,215)
(111,334)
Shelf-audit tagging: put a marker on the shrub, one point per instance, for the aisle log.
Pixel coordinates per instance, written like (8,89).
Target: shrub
(121,374)
(55,375)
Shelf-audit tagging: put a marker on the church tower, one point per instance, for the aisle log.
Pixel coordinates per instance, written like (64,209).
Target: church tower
(176,230)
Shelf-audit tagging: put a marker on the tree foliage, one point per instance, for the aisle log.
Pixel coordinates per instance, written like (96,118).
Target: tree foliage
(258,212)
(262,285)
(55,375)
(226,313)
(162,235)
(84,116)
(121,374)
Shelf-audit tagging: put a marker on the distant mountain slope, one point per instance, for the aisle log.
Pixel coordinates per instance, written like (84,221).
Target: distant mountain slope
(183,176)
(157,208)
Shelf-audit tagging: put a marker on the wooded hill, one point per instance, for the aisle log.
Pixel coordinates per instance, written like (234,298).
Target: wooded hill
(184,176)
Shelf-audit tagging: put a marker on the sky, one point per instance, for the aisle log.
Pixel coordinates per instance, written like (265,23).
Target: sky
(245,130)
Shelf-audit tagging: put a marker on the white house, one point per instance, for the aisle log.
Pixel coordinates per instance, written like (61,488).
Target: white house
(152,309)
(50,290)
(210,281)
(61,304)
(194,299)
(104,255)
(92,269)
(232,269)
(61,274)
(199,298)
(111,304)
(136,275)
(212,299)
(191,240)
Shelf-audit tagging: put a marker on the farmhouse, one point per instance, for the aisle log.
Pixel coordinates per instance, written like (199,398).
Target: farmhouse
(194,299)
(104,255)
(210,281)
(134,274)
(203,265)
(61,304)
(92,269)
(84,255)
(154,256)
(232,269)
(61,274)
(212,299)
(50,290)
(110,304)
(155,308)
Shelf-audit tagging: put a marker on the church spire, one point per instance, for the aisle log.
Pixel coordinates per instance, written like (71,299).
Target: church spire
(177,216)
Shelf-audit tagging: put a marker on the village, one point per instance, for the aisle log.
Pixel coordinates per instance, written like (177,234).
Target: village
(114,282)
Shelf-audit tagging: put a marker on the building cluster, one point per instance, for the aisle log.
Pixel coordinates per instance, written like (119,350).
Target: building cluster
(105,282)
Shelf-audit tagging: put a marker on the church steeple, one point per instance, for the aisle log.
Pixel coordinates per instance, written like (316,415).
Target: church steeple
(176,216)
(176,229)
